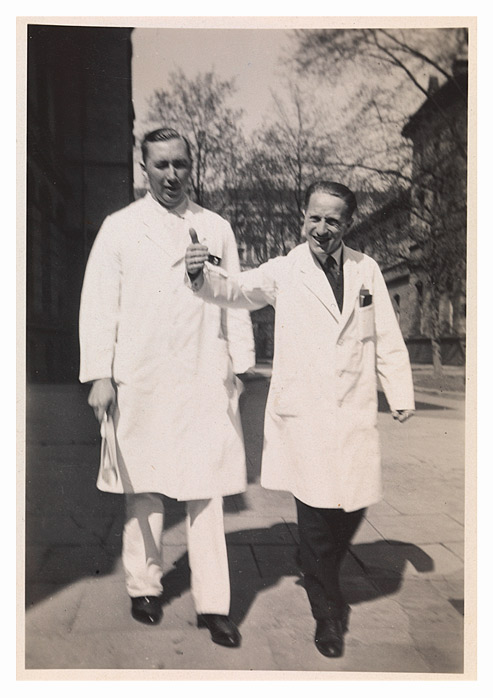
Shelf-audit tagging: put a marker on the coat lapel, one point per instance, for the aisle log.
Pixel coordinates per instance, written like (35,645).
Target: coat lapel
(315,280)
(352,285)
(159,227)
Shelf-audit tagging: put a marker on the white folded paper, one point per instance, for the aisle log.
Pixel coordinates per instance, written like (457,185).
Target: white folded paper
(109,479)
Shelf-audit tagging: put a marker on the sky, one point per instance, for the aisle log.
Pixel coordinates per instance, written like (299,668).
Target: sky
(249,55)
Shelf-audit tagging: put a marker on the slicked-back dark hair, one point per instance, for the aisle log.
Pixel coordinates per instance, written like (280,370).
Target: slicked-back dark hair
(335,189)
(164,134)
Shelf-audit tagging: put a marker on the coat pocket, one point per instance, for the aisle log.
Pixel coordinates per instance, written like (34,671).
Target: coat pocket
(366,323)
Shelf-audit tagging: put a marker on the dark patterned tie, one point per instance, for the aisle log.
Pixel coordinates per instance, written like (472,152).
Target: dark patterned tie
(334,274)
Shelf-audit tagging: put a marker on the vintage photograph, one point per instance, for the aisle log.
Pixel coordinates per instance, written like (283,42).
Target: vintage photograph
(246,363)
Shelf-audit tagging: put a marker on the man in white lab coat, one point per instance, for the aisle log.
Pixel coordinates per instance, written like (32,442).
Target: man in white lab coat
(335,334)
(164,367)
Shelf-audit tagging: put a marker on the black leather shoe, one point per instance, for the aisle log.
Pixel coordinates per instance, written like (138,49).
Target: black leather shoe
(329,637)
(222,629)
(147,609)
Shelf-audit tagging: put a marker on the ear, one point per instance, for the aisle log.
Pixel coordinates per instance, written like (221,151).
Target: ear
(143,168)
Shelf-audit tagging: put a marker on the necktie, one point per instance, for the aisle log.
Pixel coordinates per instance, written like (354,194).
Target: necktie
(335,277)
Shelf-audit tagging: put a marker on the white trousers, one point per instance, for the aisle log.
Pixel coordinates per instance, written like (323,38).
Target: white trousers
(207,553)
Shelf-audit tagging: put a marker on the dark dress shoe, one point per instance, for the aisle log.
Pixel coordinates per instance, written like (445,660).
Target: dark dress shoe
(329,637)
(222,629)
(147,609)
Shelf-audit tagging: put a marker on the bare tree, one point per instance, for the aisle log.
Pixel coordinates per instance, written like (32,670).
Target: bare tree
(198,108)
(389,75)
(285,155)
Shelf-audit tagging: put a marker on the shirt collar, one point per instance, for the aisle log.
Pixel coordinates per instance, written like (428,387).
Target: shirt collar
(179,210)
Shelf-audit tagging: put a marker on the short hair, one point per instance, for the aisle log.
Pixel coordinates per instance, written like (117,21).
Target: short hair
(335,189)
(164,134)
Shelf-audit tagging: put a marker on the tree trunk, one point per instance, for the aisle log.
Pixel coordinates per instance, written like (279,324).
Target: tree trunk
(436,350)
(436,353)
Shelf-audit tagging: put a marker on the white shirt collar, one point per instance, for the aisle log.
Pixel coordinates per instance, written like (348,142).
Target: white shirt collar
(179,210)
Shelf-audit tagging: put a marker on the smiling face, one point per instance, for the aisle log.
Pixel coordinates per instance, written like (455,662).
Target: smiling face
(325,224)
(167,166)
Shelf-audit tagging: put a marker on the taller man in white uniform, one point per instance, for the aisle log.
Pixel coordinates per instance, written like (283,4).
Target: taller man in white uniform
(164,367)
(335,334)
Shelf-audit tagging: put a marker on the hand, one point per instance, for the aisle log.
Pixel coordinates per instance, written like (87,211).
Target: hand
(102,397)
(195,255)
(402,415)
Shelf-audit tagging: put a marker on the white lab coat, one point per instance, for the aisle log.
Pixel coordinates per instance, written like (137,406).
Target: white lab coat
(320,440)
(172,356)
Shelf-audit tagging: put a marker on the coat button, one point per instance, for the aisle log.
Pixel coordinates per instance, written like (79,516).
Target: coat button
(340,342)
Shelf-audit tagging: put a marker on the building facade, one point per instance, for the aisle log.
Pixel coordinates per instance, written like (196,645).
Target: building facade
(79,169)
(419,237)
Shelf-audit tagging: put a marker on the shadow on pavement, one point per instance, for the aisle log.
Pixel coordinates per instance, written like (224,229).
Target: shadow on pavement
(383,405)
(73,531)
(370,571)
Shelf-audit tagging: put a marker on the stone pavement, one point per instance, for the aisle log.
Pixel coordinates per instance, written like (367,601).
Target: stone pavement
(403,577)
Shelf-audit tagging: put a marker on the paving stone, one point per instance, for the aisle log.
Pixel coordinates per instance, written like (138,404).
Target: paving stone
(384,559)
(456,511)
(55,614)
(293,529)
(280,604)
(382,508)
(263,502)
(175,535)
(452,591)
(418,529)
(70,563)
(445,563)
(259,530)
(235,503)
(403,577)
(433,617)
(414,501)
(106,607)
(60,529)
(242,562)
(389,657)
(445,657)
(276,560)
(152,649)
(366,533)
(35,556)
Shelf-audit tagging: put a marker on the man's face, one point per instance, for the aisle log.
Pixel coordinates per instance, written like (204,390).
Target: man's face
(325,223)
(167,166)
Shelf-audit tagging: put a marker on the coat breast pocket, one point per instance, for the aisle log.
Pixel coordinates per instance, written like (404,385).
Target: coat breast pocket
(366,322)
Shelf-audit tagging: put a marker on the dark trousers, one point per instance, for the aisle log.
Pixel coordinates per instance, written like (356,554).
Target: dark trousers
(325,535)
